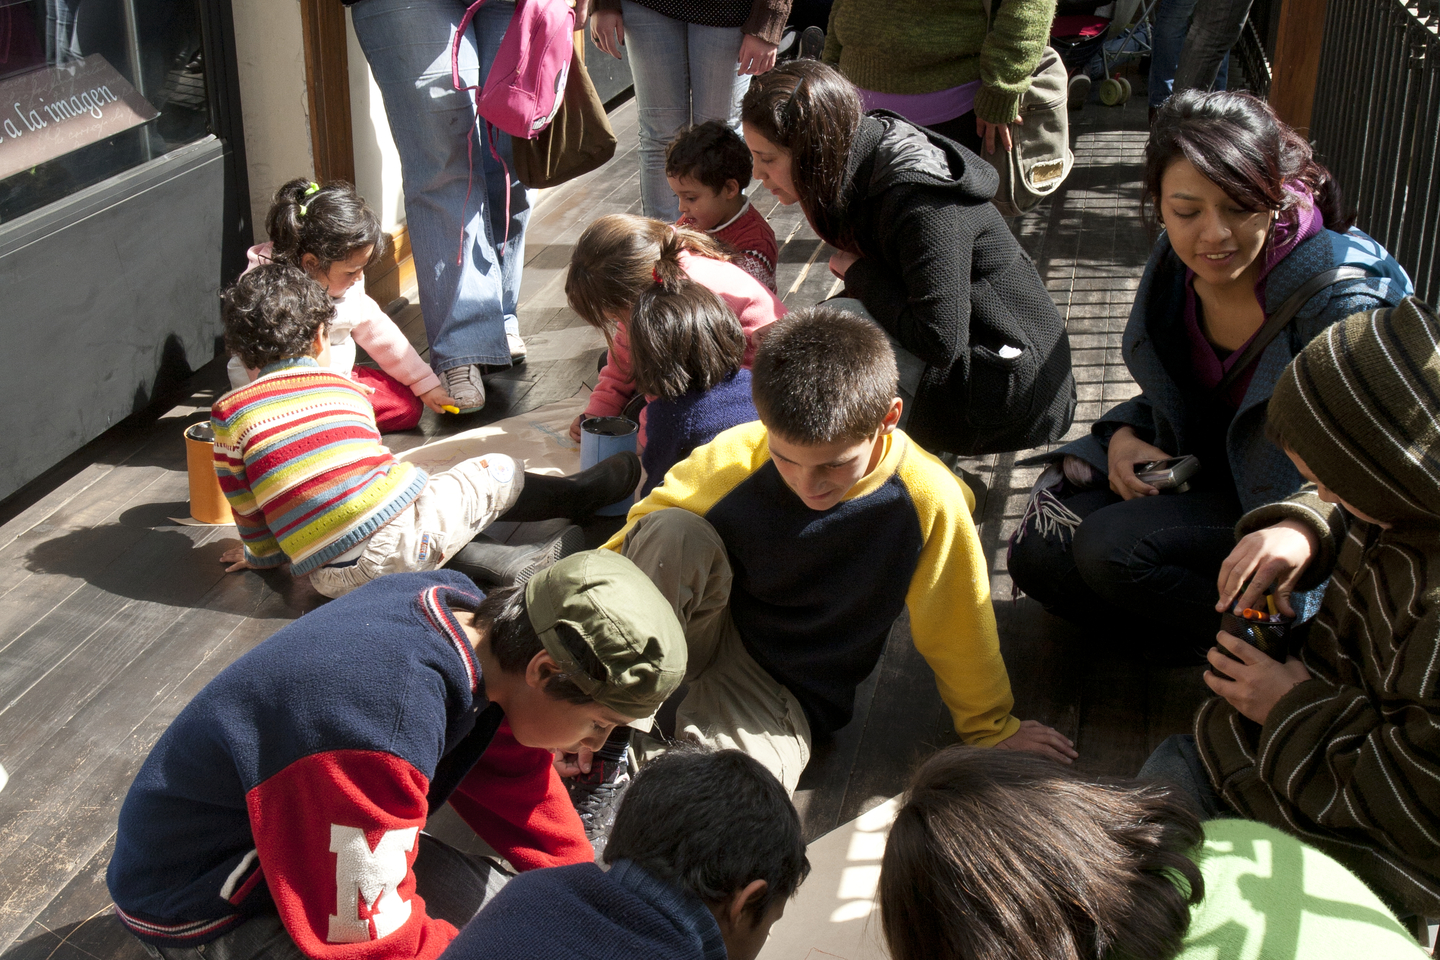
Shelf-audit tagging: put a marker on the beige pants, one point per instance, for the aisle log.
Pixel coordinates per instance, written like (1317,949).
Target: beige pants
(732,702)
(455,505)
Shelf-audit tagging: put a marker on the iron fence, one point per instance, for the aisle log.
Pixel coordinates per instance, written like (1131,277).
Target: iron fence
(1376,122)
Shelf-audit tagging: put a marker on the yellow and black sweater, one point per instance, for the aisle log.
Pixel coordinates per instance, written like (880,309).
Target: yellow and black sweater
(815,592)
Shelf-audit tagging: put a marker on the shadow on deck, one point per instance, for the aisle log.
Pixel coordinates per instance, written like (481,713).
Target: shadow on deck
(113,614)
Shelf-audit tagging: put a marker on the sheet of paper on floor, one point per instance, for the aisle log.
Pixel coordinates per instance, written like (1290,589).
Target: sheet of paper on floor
(835,915)
(540,437)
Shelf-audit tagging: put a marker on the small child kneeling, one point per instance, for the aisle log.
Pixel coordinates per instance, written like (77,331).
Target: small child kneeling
(686,351)
(705,852)
(300,459)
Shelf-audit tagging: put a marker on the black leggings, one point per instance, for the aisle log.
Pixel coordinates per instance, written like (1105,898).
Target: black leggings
(1141,572)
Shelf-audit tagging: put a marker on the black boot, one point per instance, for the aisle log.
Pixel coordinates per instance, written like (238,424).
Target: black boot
(493,564)
(578,496)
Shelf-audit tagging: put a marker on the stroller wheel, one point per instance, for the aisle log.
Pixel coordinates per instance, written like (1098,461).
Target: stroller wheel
(1112,94)
(1124,82)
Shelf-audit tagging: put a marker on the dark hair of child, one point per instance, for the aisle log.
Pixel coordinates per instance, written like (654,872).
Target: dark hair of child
(811,110)
(273,313)
(615,261)
(711,823)
(822,375)
(682,337)
(329,222)
(997,853)
(710,153)
(1238,143)
(514,642)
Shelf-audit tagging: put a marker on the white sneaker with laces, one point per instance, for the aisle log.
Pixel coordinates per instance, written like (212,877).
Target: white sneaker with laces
(517,347)
(465,387)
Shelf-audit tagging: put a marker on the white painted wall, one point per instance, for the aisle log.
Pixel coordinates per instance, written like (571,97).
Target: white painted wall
(271,59)
(377,164)
(276,112)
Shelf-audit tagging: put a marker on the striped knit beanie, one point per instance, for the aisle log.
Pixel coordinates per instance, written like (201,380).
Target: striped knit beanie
(1360,405)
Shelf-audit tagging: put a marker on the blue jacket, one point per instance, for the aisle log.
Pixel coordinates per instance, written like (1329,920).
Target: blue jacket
(674,428)
(582,913)
(1262,472)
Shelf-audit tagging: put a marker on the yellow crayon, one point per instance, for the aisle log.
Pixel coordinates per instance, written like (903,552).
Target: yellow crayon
(1270,602)
(448,408)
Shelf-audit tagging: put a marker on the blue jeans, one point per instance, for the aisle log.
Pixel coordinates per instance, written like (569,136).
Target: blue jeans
(469,305)
(684,74)
(1205,57)
(1177,762)
(1172,25)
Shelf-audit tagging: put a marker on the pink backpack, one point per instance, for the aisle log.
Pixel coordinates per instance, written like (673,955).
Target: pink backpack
(526,83)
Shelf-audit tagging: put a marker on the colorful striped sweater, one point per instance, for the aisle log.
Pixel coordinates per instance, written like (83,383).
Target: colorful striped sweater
(300,460)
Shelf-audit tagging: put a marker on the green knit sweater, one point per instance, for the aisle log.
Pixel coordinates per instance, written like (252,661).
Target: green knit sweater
(921,46)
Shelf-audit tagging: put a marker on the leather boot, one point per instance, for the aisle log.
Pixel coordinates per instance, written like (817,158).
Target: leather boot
(493,564)
(576,497)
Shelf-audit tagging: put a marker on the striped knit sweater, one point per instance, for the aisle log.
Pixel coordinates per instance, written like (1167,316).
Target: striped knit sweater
(1350,760)
(299,458)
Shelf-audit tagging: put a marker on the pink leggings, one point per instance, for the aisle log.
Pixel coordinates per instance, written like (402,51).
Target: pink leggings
(396,406)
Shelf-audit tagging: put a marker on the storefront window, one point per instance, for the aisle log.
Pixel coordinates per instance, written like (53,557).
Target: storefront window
(90,88)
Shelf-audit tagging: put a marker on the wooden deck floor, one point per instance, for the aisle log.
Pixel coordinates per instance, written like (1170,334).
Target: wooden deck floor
(112,615)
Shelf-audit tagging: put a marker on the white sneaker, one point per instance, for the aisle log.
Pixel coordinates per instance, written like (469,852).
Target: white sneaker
(465,387)
(517,347)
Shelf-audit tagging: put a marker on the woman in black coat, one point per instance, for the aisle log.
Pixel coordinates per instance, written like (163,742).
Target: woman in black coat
(980,344)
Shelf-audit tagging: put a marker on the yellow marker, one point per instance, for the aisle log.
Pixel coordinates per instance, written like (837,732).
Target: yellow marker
(450,409)
(1270,602)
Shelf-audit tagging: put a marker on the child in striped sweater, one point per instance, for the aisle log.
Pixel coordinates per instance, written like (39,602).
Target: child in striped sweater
(1340,744)
(300,460)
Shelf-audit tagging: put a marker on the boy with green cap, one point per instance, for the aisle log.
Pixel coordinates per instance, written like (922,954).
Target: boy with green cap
(1340,744)
(279,815)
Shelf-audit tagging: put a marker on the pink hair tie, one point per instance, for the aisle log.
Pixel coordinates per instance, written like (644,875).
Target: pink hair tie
(655,272)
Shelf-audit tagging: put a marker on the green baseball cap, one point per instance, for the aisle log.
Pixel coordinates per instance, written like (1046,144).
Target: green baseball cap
(625,621)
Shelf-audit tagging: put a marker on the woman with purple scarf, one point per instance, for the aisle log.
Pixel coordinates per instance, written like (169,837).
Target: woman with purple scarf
(1249,218)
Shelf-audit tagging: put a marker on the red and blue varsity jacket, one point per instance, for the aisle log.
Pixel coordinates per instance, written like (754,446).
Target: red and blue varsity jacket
(299,778)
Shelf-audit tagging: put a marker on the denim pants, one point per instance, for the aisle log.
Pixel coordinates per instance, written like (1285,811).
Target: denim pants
(1214,29)
(453,885)
(445,158)
(684,73)
(1140,573)
(1177,762)
(1172,25)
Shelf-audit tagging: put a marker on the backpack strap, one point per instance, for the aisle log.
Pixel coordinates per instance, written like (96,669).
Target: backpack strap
(1277,321)
(469,142)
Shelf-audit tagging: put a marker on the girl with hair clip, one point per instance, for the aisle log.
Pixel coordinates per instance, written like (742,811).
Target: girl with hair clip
(1251,222)
(621,256)
(983,355)
(686,354)
(1003,855)
(332,235)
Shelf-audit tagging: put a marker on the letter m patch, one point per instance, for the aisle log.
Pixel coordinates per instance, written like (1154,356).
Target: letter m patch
(367,901)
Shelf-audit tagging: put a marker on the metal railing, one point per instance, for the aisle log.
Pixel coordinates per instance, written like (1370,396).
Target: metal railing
(1376,123)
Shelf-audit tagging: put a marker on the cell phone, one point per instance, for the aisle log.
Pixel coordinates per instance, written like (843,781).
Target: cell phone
(1170,474)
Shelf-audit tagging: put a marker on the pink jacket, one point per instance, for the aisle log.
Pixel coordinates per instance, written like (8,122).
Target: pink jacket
(358,320)
(756,307)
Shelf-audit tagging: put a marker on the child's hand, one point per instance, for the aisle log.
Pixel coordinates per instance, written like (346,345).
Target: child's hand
(1275,555)
(573,764)
(1257,682)
(842,260)
(1126,450)
(575,428)
(437,399)
(1034,737)
(235,557)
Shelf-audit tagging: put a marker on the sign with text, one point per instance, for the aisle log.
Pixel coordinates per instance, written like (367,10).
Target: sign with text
(47,113)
